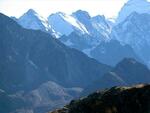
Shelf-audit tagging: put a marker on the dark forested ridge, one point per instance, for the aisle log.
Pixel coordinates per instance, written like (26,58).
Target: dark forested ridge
(134,99)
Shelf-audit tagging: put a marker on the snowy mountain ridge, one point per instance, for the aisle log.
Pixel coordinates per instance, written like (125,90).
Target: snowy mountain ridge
(86,33)
(139,6)
(32,20)
(63,24)
(132,27)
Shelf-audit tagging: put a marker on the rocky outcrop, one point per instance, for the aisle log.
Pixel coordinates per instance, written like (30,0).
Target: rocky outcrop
(134,99)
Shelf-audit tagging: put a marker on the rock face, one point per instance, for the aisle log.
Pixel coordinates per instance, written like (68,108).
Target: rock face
(134,99)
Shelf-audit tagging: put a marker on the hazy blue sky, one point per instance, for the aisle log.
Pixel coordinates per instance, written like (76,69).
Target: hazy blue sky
(109,8)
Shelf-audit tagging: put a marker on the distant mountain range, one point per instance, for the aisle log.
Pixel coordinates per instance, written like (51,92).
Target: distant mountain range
(91,34)
(63,24)
(34,66)
(45,63)
(36,70)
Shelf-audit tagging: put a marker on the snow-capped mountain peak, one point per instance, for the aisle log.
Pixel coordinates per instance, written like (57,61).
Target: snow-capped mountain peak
(60,24)
(100,22)
(81,14)
(65,24)
(74,22)
(32,20)
(31,11)
(139,6)
(83,17)
(99,17)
